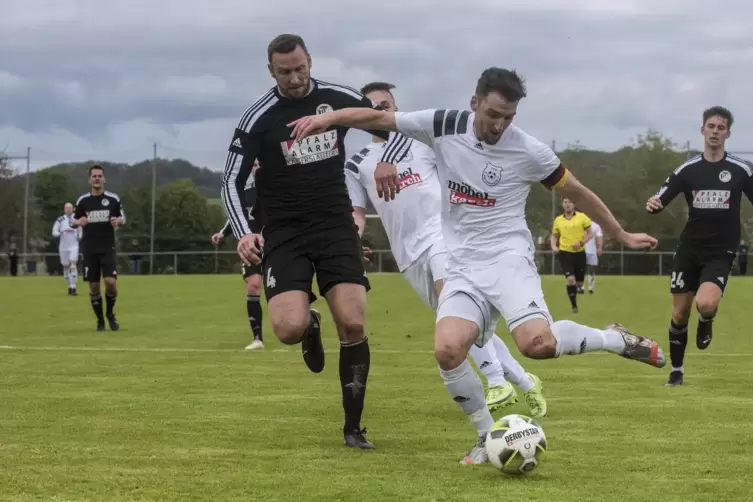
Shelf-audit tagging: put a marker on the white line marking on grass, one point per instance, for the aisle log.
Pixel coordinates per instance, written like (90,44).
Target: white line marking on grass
(291,351)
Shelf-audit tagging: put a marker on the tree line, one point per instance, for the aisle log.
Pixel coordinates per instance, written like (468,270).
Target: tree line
(187,209)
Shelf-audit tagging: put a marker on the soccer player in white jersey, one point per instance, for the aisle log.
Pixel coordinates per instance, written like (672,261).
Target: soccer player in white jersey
(486,167)
(414,230)
(68,246)
(594,248)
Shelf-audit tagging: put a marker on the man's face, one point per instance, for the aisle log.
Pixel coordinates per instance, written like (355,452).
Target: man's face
(493,115)
(68,209)
(96,178)
(383,99)
(568,206)
(292,71)
(715,131)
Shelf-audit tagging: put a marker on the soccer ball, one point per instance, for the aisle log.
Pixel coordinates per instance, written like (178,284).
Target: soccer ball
(516,444)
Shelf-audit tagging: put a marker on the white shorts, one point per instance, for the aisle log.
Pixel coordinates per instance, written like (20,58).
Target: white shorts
(510,289)
(68,255)
(429,268)
(592,259)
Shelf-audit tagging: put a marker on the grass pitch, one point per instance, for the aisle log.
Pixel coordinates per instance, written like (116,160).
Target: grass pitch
(172,408)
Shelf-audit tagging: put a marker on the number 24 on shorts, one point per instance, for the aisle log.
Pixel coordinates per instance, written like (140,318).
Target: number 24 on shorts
(677,281)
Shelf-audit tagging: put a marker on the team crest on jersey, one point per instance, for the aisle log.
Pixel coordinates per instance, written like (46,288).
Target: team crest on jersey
(105,202)
(408,157)
(492,174)
(323,108)
(311,148)
(725,176)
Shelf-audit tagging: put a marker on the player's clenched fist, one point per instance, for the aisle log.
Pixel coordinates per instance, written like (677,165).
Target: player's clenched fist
(654,204)
(217,238)
(249,248)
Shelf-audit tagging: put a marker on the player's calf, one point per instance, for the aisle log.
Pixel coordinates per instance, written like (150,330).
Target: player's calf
(707,303)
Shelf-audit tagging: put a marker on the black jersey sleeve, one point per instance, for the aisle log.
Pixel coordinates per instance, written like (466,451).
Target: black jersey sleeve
(117,209)
(748,188)
(243,150)
(80,210)
(672,187)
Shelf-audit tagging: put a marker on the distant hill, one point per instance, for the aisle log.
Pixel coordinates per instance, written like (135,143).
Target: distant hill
(122,177)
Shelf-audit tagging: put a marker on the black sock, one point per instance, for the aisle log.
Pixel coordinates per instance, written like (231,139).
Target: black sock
(355,360)
(110,302)
(572,293)
(97,306)
(253,307)
(678,340)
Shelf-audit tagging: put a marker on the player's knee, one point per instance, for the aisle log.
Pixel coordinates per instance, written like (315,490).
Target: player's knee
(535,340)
(571,280)
(290,329)
(253,285)
(706,306)
(451,348)
(351,331)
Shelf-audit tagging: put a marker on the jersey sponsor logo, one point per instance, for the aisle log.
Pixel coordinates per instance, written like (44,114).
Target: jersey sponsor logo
(311,148)
(409,178)
(725,176)
(323,108)
(711,199)
(463,193)
(99,216)
(491,175)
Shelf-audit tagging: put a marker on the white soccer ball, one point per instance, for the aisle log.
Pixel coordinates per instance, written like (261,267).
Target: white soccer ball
(516,444)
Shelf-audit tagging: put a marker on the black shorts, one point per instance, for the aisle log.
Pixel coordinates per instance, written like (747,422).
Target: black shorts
(291,258)
(249,270)
(573,264)
(691,268)
(97,265)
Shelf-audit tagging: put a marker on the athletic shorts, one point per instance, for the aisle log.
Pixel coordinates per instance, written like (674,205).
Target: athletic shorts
(249,270)
(68,255)
(291,259)
(509,289)
(592,259)
(423,273)
(97,265)
(573,264)
(692,268)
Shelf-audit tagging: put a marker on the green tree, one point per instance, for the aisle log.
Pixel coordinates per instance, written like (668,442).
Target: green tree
(11,201)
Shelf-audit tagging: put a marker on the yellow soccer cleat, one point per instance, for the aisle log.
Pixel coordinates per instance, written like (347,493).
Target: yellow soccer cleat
(500,396)
(535,398)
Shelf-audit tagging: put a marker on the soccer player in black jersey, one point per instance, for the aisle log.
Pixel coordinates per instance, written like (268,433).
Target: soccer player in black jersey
(251,273)
(99,213)
(713,184)
(309,227)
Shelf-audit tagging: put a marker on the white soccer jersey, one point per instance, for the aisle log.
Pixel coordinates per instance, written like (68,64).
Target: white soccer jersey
(591,245)
(412,220)
(68,235)
(484,187)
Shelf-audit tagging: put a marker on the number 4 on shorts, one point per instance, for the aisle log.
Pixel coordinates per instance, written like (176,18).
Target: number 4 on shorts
(270,279)
(677,281)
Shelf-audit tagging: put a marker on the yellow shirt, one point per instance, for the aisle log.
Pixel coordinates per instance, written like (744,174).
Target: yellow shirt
(571,231)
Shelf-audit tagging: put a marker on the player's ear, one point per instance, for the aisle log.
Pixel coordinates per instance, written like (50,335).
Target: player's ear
(474,103)
(271,70)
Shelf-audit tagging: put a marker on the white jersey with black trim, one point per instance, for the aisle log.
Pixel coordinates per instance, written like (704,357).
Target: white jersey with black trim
(68,236)
(412,220)
(591,244)
(484,187)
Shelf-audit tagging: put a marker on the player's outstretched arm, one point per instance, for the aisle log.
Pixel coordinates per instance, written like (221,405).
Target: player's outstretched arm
(671,188)
(595,208)
(356,118)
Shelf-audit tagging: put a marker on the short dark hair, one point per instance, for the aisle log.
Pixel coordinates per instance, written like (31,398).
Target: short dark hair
(285,44)
(718,111)
(377,86)
(96,167)
(507,83)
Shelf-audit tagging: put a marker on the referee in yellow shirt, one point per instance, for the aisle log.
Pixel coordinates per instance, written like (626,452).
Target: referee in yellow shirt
(570,232)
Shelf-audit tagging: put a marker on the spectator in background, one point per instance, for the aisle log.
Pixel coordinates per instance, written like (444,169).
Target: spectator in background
(742,257)
(13,256)
(135,258)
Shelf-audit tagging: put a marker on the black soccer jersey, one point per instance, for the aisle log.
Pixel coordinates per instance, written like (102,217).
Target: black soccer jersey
(98,234)
(298,182)
(254,221)
(713,191)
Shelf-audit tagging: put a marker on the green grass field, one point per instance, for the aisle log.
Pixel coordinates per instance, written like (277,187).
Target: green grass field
(172,408)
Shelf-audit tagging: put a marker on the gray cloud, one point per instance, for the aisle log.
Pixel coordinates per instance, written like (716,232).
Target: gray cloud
(103,78)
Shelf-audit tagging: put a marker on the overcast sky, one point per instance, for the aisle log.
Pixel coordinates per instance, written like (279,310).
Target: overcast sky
(105,79)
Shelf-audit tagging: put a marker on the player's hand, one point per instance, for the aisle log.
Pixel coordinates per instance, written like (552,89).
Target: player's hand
(366,254)
(81,222)
(637,241)
(249,248)
(654,204)
(555,249)
(599,252)
(312,124)
(577,246)
(217,238)
(116,221)
(387,181)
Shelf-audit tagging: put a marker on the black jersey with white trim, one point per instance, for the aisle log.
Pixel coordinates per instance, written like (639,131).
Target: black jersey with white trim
(298,182)
(713,191)
(99,234)
(255,222)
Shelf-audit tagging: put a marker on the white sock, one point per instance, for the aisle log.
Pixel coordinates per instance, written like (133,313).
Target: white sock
(65,276)
(591,281)
(486,360)
(465,388)
(680,369)
(513,370)
(72,277)
(573,338)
